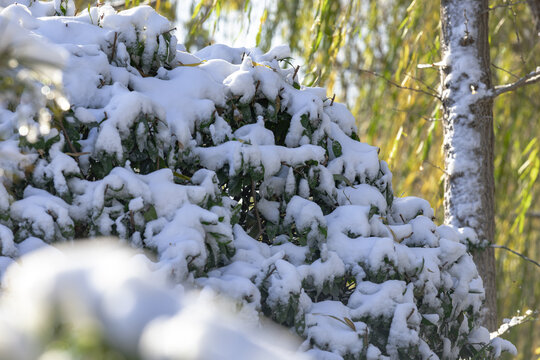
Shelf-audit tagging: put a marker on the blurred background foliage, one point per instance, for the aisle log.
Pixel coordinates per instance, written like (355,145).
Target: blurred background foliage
(368,54)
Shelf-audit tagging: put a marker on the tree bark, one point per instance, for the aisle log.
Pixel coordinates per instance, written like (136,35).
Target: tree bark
(468,131)
(534,6)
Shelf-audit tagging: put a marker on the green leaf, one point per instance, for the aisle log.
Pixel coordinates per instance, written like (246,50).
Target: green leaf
(217,235)
(304,120)
(323,230)
(372,211)
(208,223)
(181,176)
(349,323)
(150,214)
(339,177)
(271,230)
(389,195)
(336,148)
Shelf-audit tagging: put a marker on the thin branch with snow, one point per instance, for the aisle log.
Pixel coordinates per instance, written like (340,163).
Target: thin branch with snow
(514,321)
(530,78)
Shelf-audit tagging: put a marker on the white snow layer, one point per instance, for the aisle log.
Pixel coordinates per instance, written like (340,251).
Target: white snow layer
(368,233)
(103,285)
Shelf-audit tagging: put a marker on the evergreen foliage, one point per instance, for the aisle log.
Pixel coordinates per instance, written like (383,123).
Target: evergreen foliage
(253,186)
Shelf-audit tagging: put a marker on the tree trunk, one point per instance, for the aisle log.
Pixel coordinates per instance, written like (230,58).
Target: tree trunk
(468,130)
(534,6)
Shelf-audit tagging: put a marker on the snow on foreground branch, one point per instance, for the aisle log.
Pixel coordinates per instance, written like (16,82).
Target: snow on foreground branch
(232,179)
(101,293)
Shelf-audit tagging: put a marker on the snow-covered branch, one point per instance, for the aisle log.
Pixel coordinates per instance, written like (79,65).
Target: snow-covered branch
(528,79)
(514,321)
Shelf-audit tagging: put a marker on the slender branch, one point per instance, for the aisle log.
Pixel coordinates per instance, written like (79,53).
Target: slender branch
(436,167)
(528,79)
(506,71)
(516,31)
(257,215)
(132,220)
(113,53)
(516,253)
(70,144)
(296,71)
(437,96)
(416,115)
(505,5)
(421,82)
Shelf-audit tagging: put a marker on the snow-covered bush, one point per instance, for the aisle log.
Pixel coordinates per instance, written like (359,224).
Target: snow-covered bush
(239,180)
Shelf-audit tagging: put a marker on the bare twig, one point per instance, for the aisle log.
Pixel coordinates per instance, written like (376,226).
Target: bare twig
(269,273)
(296,71)
(422,82)
(437,96)
(467,33)
(436,167)
(528,79)
(516,253)
(516,31)
(131,220)
(113,54)
(506,71)
(416,115)
(505,5)
(70,144)
(257,215)
(192,259)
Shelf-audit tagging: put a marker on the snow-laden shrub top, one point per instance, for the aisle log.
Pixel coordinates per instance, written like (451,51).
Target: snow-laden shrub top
(239,181)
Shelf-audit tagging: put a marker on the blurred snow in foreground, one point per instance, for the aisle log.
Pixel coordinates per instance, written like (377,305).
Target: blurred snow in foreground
(102,290)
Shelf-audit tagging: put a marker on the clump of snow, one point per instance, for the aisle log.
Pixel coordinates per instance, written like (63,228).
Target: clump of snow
(102,286)
(235,182)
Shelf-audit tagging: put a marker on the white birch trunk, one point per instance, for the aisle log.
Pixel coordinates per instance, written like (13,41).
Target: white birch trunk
(468,130)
